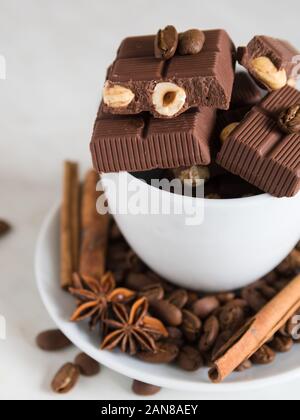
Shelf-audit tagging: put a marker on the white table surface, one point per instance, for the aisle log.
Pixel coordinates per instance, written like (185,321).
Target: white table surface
(56,53)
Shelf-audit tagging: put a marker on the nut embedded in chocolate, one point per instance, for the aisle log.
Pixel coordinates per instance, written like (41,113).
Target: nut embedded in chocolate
(226,132)
(116,96)
(168,99)
(191,42)
(165,44)
(289,119)
(267,73)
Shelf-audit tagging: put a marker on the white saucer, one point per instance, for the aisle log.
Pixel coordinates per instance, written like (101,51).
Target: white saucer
(60,305)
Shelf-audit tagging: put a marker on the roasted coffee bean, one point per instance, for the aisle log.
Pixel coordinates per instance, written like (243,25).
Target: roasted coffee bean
(190,359)
(167,352)
(191,42)
(165,44)
(153,292)
(281,284)
(4,227)
(247,364)
(139,281)
(222,339)
(298,246)
(175,336)
(191,326)
(289,119)
(254,298)
(211,330)
(144,390)
(52,340)
(65,379)
(166,312)
(232,316)
(205,306)
(224,298)
(290,265)
(264,356)
(178,298)
(87,365)
(281,344)
(268,291)
(270,278)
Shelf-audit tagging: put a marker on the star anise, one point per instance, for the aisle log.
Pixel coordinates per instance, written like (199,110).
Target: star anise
(133,329)
(94,297)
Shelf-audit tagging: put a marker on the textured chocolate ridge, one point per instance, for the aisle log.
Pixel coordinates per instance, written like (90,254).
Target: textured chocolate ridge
(139,143)
(207,77)
(279,51)
(260,152)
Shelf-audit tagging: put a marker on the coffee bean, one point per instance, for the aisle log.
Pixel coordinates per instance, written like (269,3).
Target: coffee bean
(264,356)
(65,379)
(175,336)
(281,344)
(87,365)
(205,306)
(191,325)
(222,339)
(298,246)
(192,297)
(254,298)
(247,364)
(167,352)
(232,316)
(166,312)
(153,292)
(289,119)
(190,359)
(224,298)
(165,43)
(139,281)
(191,42)
(144,390)
(52,340)
(211,330)
(115,233)
(268,291)
(4,227)
(178,298)
(134,263)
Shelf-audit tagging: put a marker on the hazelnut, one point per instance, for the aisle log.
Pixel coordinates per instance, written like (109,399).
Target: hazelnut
(266,72)
(193,174)
(116,96)
(168,99)
(227,131)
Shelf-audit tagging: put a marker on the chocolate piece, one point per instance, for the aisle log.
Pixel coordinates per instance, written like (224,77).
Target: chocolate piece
(139,143)
(279,54)
(137,81)
(260,152)
(245,93)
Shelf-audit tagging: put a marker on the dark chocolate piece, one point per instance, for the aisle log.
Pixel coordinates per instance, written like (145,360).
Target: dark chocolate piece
(279,52)
(262,153)
(169,88)
(139,143)
(245,92)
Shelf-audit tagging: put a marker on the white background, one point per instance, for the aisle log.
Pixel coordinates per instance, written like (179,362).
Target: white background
(57,52)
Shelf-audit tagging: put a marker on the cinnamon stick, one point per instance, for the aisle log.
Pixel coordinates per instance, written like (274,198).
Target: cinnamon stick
(95,228)
(69,237)
(257,332)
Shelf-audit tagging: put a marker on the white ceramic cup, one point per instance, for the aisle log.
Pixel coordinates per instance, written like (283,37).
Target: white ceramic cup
(238,241)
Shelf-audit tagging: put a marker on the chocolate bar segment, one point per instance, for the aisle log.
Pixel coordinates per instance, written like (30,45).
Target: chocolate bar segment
(260,152)
(245,92)
(140,143)
(270,61)
(169,88)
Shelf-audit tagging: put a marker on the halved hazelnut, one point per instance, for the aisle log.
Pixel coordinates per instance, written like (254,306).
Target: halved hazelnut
(225,133)
(116,96)
(267,73)
(168,99)
(193,174)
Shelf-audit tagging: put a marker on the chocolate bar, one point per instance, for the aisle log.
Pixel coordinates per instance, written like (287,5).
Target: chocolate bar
(137,81)
(261,152)
(139,143)
(245,92)
(270,61)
